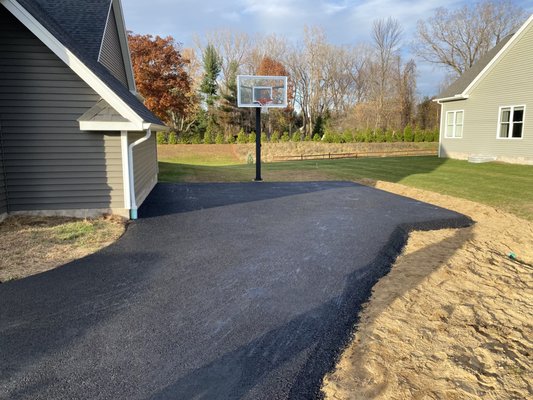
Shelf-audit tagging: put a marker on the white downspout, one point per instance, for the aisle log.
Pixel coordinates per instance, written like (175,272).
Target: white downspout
(133,201)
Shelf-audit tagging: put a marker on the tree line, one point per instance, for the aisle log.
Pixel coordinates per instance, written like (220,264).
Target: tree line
(363,87)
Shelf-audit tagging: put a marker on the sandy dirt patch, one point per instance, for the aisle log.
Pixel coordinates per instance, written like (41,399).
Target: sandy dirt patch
(30,245)
(452,320)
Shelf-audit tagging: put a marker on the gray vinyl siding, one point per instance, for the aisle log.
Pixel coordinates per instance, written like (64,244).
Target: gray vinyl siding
(111,53)
(509,83)
(3,193)
(49,163)
(144,165)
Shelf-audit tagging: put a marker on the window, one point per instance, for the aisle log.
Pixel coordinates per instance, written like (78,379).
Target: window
(454,124)
(511,124)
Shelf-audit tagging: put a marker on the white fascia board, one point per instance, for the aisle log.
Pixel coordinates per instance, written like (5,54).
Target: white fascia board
(452,98)
(155,127)
(498,56)
(71,60)
(123,38)
(107,126)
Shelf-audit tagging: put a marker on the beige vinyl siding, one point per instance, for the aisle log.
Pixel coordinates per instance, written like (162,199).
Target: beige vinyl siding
(509,83)
(111,53)
(49,164)
(144,165)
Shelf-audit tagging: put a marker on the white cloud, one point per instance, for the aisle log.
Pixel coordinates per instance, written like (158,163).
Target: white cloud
(344,21)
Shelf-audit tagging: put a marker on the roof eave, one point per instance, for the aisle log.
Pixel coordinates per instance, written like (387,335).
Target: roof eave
(457,97)
(516,36)
(117,126)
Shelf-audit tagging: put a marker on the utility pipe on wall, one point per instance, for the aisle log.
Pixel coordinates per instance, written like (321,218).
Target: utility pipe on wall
(133,200)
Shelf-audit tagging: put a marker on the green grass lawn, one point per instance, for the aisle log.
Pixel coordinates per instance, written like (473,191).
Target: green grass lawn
(506,186)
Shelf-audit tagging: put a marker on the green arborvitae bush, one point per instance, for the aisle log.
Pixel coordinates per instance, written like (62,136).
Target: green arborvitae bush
(379,136)
(172,138)
(251,137)
(241,137)
(348,136)
(274,138)
(219,139)
(208,137)
(316,137)
(419,135)
(389,136)
(408,134)
(285,137)
(264,137)
(196,139)
(296,136)
(398,136)
(162,138)
(230,139)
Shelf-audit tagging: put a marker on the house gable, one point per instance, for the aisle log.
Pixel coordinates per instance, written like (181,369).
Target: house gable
(82,63)
(506,82)
(48,163)
(114,51)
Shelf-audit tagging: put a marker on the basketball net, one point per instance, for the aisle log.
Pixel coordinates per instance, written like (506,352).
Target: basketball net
(264,101)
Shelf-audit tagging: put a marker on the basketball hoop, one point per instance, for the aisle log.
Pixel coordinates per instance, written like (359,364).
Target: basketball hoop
(261,93)
(264,101)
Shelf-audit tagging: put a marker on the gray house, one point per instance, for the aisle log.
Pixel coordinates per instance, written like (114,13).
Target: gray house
(487,114)
(74,137)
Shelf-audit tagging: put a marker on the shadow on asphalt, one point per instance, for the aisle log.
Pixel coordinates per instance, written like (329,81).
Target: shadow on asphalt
(133,324)
(174,198)
(299,338)
(43,314)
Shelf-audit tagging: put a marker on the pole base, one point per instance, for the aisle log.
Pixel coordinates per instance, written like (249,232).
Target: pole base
(258,180)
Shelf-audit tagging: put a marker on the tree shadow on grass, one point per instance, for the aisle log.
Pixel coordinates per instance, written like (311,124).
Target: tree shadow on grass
(392,169)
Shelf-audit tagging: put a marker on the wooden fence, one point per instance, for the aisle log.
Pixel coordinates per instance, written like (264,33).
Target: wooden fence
(361,154)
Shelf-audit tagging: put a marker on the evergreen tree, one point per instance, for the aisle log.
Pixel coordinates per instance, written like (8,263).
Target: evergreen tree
(212,66)
(230,115)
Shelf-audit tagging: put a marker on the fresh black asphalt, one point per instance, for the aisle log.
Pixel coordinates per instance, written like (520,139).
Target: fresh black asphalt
(218,291)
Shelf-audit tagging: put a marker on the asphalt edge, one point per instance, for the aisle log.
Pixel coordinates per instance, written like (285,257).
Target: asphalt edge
(307,385)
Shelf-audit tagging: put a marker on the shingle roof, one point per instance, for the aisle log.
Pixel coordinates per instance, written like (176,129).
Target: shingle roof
(102,111)
(470,74)
(79,26)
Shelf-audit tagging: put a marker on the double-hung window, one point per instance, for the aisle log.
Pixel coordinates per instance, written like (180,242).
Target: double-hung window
(454,124)
(511,122)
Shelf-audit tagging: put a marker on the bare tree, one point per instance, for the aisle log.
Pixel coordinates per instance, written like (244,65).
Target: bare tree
(457,39)
(386,35)
(406,88)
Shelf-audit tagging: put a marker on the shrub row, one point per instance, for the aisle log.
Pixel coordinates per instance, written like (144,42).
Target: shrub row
(358,136)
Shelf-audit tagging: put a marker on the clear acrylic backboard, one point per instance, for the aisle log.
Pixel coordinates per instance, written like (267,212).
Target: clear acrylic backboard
(262,91)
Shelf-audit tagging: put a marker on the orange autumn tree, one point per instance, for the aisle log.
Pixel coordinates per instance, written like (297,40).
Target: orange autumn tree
(161,78)
(278,119)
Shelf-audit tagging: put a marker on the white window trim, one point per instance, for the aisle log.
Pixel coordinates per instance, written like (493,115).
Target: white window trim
(510,122)
(454,112)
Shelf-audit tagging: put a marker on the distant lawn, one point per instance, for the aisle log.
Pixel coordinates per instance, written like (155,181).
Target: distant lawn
(508,187)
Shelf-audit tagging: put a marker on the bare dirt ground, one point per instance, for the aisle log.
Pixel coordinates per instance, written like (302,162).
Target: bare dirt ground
(30,245)
(452,320)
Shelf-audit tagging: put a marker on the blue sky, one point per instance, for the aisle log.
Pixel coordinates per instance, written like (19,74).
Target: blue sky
(344,21)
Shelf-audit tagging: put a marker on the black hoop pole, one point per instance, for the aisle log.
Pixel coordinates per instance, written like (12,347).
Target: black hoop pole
(258,144)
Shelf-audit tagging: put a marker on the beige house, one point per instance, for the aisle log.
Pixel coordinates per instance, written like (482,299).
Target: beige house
(487,114)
